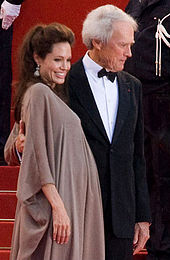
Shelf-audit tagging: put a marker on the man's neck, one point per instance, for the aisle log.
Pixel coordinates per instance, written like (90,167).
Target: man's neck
(96,58)
(93,56)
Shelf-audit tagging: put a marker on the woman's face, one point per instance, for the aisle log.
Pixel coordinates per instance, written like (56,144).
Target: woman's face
(54,68)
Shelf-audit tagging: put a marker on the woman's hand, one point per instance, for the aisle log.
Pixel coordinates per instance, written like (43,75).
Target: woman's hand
(61,225)
(61,221)
(9,12)
(20,141)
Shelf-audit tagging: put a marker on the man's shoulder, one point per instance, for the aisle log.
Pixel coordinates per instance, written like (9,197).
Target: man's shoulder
(125,76)
(77,71)
(76,66)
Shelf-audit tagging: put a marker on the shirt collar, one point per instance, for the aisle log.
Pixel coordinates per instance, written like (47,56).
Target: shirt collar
(91,66)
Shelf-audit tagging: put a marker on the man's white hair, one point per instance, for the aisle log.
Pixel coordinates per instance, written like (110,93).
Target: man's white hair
(99,24)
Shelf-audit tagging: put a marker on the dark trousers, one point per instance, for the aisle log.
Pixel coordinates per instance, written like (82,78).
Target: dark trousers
(116,248)
(5,84)
(157,126)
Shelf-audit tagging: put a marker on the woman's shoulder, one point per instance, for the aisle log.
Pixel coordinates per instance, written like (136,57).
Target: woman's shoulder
(38,90)
(37,94)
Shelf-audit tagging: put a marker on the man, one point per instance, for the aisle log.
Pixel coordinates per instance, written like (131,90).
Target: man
(9,10)
(154,16)
(111,114)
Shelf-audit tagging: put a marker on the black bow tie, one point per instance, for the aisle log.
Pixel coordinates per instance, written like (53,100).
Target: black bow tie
(109,74)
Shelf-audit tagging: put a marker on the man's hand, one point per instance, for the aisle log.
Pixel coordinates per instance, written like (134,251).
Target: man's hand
(141,236)
(20,141)
(9,13)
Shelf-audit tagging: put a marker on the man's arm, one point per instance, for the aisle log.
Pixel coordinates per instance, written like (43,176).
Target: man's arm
(143,216)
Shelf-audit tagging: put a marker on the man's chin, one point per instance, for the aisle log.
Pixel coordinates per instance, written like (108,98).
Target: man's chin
(121,68)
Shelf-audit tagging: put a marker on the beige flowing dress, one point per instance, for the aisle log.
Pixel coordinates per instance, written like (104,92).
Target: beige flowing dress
(56,151)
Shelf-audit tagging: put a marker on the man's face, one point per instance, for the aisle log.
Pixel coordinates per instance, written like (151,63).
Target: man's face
(113,55)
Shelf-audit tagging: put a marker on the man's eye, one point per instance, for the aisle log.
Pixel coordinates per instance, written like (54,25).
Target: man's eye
(123,44)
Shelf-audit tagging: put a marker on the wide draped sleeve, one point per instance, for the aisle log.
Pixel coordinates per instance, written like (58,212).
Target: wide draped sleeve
(35,170)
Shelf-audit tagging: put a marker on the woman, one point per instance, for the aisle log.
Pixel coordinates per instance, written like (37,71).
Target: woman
(59,211)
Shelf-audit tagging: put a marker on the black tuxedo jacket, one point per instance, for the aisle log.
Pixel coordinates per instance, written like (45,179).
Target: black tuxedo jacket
(121,164)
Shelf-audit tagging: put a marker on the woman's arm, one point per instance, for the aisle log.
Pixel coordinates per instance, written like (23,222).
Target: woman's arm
(61,221)
(10,150)
(15,143)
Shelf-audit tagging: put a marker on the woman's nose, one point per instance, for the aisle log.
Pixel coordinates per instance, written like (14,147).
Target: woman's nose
(65,65)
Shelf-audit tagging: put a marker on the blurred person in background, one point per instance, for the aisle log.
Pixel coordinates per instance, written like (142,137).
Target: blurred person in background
(9,11)
(150,63)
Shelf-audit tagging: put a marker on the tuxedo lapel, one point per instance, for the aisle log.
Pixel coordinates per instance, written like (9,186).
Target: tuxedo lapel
(123,107)
(152,2)
(86,98)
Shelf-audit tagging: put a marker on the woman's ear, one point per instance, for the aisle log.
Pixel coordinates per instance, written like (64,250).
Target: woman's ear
(37,59)
(97,44)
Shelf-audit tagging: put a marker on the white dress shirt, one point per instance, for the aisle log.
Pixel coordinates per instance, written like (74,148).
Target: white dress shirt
(105,94)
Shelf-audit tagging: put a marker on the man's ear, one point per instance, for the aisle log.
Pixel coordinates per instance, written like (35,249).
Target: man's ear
(97,44)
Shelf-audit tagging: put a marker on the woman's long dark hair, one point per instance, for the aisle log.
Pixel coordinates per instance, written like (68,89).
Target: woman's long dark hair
(39,40)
